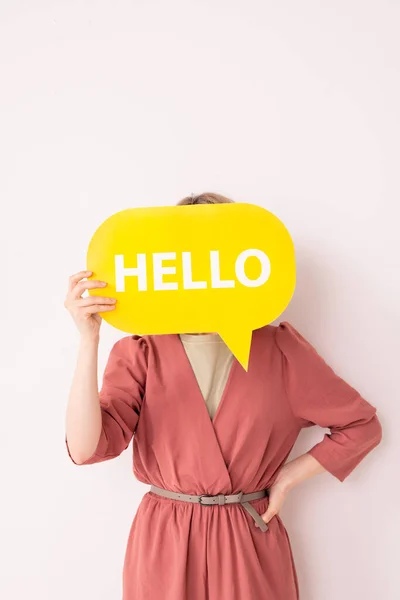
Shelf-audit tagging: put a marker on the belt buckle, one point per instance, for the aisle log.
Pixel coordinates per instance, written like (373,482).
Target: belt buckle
(205,496)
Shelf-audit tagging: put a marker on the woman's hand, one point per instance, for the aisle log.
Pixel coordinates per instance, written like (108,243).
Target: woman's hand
(277,496)
(84,311)
(292,473)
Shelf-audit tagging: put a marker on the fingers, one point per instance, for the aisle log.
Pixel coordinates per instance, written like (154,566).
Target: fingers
(77,285)
(95,308)
(82,286)
(273,508)
(269,514)
(90,300)
(86,312)
(73,279)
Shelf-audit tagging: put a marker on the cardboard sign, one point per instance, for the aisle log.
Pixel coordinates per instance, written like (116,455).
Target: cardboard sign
(226,268)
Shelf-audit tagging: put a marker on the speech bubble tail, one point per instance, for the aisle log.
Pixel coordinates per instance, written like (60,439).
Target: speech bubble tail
(239,343)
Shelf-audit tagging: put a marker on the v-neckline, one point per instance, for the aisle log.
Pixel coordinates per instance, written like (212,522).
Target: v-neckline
(192,376)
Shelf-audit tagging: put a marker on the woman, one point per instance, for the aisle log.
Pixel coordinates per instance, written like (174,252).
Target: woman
(206,433)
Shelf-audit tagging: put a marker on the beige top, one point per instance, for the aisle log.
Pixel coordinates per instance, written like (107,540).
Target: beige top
(211,361)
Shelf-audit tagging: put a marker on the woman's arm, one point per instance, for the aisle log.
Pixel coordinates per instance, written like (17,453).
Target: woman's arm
(298,470)
(291,474)
(100,424)
(83,418)
(319,396)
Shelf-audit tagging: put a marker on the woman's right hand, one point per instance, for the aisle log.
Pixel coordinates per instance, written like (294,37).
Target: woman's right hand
(84,311)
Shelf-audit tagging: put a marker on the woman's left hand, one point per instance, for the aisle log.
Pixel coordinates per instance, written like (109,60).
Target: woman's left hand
(301,468)
(277,496)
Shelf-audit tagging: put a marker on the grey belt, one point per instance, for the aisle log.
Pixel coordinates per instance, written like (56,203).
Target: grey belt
(219,499)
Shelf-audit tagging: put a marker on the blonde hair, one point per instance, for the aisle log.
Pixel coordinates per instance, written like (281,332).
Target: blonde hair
(205,198)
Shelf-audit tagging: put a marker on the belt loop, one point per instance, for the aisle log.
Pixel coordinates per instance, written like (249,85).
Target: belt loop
(221,499)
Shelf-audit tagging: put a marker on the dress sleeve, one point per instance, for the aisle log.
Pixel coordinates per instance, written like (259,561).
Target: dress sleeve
(318,396)
(121,396)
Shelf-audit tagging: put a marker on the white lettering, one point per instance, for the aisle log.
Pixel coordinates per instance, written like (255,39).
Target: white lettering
(160,270)
(121,272)
(265,268)
(188,283)
(216,281)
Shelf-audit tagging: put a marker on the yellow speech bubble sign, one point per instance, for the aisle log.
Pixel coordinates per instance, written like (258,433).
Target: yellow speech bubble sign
(226,268)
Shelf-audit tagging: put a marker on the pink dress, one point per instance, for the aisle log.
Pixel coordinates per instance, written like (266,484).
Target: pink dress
(185,551)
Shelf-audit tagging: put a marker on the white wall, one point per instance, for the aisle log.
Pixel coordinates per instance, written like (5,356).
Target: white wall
(108,105)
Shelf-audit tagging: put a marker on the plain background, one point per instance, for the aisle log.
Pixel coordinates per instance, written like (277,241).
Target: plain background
(106,105)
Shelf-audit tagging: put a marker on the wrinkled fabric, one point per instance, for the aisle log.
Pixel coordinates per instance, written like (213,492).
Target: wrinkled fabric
(184,551)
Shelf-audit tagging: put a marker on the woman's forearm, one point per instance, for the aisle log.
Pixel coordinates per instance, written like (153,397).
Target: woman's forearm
(292,473)
(83,418)
(301,468)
